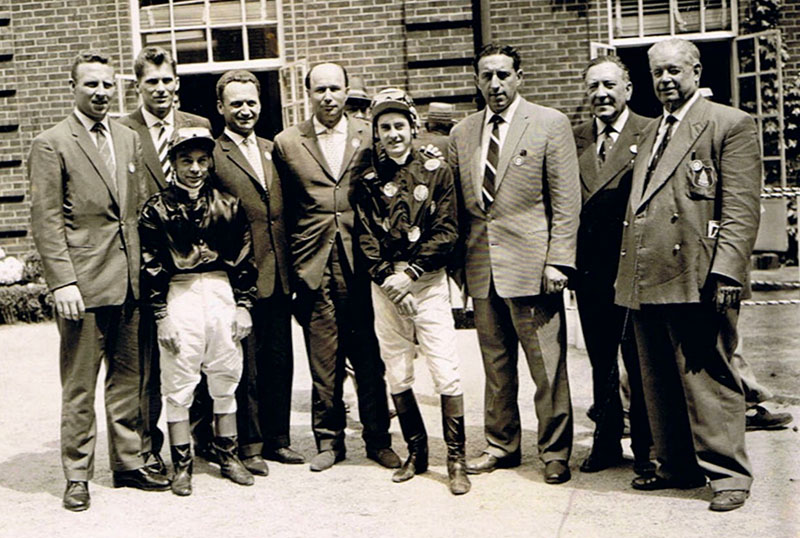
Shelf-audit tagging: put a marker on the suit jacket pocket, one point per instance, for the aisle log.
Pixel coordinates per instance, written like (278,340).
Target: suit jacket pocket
(701,180)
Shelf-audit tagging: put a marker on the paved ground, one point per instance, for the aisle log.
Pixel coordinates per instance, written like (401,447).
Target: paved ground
(357,498)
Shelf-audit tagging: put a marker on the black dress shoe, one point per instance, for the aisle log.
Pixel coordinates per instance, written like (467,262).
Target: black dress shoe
(76,496)
(758,417)
(486,463)
(140,479)
(285,455)
(256,465)
(556,472)
(155,463)
(386,457)
(594,463)
(655,482)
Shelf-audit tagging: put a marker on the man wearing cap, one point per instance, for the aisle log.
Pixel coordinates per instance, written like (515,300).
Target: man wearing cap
(407,229)
(199,277)
(243,164)
(437,127)
(517,169)
(357,103)
(157,84)
(316,161)
(85,174)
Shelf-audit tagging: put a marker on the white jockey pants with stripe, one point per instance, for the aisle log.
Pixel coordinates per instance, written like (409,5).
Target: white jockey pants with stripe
(201,308)
(433,328)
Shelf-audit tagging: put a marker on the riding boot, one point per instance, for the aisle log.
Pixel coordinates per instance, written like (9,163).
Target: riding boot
(181,451)
(228,450)
(453,427)
(414,434)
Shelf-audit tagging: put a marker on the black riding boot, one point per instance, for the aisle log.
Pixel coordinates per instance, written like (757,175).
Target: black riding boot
(414,434)
(182,460)
(453,427)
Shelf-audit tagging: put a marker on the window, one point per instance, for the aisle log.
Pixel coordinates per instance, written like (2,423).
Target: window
(637,20)
(213,34)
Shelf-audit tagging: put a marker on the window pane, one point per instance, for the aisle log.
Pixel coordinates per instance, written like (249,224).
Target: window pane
(191,46)
(747,94)
(260,10)
(189,13)
(771,137)
(746,52)
(227,44)
(160,39)
(154,14)
(769,94)
(772,173)
(226,11)
(263,42)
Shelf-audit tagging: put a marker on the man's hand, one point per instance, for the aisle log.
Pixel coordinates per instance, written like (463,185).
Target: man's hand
(554,280)
(168,336)
(69,303)
(407,306)
(397,286)
(431,152)
(727,293)
(242,323)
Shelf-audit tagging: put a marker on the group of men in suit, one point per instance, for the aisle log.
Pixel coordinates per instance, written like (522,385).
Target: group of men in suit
(652,220)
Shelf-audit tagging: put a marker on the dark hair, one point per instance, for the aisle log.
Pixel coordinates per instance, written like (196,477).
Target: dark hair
(156,56)
(236,75)
(626,76)
(87,57)
(307,81)
(495,48)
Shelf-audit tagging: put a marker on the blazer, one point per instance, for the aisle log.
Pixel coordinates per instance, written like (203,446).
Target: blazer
(318,205)
(264,209)
(604,190)
(698,215)
(84,222)
(154,175)
(534,218)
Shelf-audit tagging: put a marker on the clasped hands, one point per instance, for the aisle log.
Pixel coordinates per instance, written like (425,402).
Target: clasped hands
(169,337)
(398,287)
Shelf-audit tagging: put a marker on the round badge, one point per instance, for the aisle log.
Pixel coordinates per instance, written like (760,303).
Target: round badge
(518,160)
(634,149)
(390,189)
(697,165)
(420,193)
(268,155)
(131,168)
(413,234)
(432,164)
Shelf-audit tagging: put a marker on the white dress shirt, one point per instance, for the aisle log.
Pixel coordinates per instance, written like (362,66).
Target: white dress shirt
(88,124)
(618,124)
(251,152)
(332,142)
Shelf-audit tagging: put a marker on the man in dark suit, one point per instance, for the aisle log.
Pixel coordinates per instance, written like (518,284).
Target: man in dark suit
(519,221)
(155,121)
(244,168)
(85,176)
(607,145)
(316,161)
(684,266)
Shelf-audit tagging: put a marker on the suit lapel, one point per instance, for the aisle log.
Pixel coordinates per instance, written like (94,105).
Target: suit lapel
(89,148)
(689,129)
(266,162)
(355,132)
(123,156)
(519,123)
(472,159)
(587,157)
(237,157)
(311,144)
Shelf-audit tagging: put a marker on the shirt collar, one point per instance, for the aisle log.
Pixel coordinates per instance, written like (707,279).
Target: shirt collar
(618,123)
(684,108)
(339,128)
(88,123)
(151,119)
(507,114)
(237,138)
(402,159)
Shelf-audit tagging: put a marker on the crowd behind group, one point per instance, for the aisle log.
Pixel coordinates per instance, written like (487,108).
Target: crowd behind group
(179,259)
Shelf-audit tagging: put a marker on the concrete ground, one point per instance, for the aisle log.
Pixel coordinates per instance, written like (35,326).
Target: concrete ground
(357,498)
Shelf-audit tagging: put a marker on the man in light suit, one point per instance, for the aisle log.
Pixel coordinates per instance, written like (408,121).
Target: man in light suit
(85,175)
(519,221)
(684,266)
(316,161)
(607,145)
(244,167)
(155,121)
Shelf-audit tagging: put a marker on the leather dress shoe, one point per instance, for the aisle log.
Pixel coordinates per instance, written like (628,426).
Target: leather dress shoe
(325,460)
(140,479)
(155,463)
(595,463)
(256,465)
(727,500)
(759,418)
(76,496)
(385,457)
(556,472)
(486,463)
(655,482)
(284,455)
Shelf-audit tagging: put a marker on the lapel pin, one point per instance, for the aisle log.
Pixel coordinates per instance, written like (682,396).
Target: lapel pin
(518,160)
(355,143)
(697,165)
(131,168)
(268,155)
(634,149)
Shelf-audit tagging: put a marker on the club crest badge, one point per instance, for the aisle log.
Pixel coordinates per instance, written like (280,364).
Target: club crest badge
(420,193)
(390,189)
(700,175)
(432,164)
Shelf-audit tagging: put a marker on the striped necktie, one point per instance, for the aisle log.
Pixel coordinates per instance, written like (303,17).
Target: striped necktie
(659,152)
(162,145)
(492,156)
(101,139)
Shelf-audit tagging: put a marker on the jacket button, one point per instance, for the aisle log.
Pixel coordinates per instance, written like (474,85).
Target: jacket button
(622,252)
(676,247)
(674,217)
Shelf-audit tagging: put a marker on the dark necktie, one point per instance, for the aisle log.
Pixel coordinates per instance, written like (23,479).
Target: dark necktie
(606,144)
(670,121)
(492,156)
(104,148)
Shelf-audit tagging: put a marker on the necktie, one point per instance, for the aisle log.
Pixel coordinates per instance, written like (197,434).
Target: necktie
(104,148)
(492,155)
(333,154)
(670,121)
(251,152)
(606,144)
(162,146)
